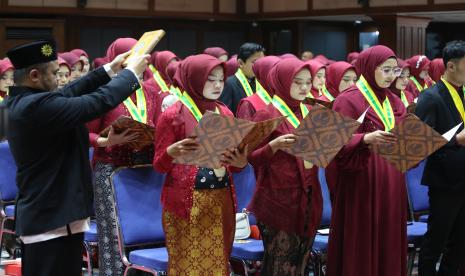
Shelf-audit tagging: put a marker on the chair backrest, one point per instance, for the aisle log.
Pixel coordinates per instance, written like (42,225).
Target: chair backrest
(417,193)
(137,193)
(8,187)
(244,182)
(326,216)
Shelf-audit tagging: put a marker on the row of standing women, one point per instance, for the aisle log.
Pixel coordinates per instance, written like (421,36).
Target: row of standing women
(368,227)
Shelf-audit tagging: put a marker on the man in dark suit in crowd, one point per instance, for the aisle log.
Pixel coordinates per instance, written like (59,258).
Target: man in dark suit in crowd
(50,145)
(242,83)
(442,107)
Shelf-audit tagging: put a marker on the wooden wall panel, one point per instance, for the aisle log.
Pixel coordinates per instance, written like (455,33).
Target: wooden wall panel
(184,5)
(228,6)
(284,5)
(449,1)
(132,5)
(387,3)
(334,4)
(30,3)
(252,6)
(101,4)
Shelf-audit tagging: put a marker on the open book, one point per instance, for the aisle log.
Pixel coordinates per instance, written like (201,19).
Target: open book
(216,133)
(322,134)
(145,132)
(415,141)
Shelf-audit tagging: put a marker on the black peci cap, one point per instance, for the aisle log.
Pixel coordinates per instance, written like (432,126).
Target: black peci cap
(32,53)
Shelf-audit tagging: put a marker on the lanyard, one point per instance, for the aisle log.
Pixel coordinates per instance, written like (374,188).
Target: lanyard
(325,92)
(175,91)
(160,81)
(190,104)
(244,82)
(404,98)
(457,99)
(384,111)
(286,111)
(262,93)
(139,112)
(418,85)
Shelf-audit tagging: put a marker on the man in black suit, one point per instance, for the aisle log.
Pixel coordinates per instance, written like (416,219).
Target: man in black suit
(442,107)
(50,145)
(242,83)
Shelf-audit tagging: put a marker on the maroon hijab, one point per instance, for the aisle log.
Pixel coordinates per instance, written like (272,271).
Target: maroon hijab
(5,65)
(262,68)
(62,62)
(119,46)
(417,64)
(171,70)
(191,77)
(436,69)
(281,77)
(215,52)
(231,66)
(334,74)
(100,61)
(315,66)
(79,53)
(322,59)
(288,55)
(367,62)
(160,61)
(70,58)
(352,57)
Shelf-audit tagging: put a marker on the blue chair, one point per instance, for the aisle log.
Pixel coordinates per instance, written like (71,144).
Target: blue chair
(8,188)
(320,244)
(418,200)
(137,193)
(417,193)
(248,251)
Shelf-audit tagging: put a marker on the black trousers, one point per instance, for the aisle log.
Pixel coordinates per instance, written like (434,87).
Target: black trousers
(57,257)
(445,235)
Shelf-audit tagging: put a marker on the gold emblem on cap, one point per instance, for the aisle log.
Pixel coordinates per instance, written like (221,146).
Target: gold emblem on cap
(47,50)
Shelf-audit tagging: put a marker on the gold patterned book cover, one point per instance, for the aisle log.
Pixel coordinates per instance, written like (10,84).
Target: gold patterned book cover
(322,134)
(146,43)
(216,133)
(415,141)
(144,131)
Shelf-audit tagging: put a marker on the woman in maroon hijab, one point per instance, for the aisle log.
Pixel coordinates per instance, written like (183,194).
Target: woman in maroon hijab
(399,86)
(231,66)
(198,203)
(339,77)
(84,57)
(217,52)
(249,106)
(100,61)
(318,72)
(369,220)
(436,69)
(6,77)
(75,63)
(352,57)
(159,63)
(419,78)
(113,151)
(287,201)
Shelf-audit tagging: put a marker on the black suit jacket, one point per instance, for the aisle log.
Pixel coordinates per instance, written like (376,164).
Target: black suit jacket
(233,92)
(446,167)
(50,145)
